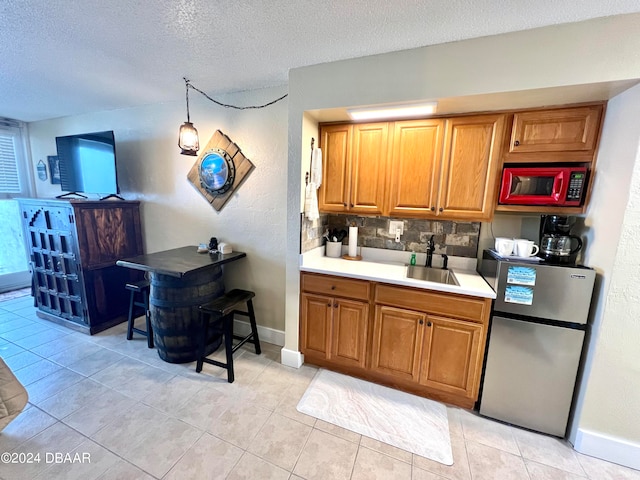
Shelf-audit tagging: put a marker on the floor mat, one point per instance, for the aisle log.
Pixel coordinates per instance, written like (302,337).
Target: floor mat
(406,421)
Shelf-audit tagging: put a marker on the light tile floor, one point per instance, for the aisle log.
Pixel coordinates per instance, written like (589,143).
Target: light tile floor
(136,417)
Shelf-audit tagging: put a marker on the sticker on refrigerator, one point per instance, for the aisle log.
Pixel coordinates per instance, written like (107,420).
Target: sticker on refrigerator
(521,275)
(518,294)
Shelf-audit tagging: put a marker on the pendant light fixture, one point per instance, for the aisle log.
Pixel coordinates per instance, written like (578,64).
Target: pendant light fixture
(188,136)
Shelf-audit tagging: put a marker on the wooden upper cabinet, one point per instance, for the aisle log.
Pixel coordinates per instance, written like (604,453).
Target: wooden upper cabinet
(572,131)
(471,159)
(447,168)
(368,168)
(415,168)
(354,168)
(336,164)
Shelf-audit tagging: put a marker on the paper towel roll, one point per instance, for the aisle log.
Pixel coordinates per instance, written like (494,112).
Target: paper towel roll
(353,241)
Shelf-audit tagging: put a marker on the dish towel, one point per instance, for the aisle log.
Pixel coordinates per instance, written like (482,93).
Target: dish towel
(315,180)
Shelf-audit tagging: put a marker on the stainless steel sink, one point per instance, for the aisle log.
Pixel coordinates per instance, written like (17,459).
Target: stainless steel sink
(429,274)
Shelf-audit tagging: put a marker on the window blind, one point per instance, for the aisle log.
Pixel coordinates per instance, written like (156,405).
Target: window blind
(9,175)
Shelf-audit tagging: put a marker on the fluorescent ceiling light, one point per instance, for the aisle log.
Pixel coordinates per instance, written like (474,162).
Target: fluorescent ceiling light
(393,111)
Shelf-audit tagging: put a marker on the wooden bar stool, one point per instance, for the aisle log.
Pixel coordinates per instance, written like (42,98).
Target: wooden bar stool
(217,319)
(139,298)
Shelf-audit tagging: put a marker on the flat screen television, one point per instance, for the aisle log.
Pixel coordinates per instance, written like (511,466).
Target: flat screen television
(88,163)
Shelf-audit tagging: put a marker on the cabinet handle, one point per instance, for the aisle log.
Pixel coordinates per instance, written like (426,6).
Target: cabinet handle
(516,143)
(428,324)
(329,304)
(433,209)
(333,287)
(344,204)
(351,205)
(335,305)
(441,209)
(421,322)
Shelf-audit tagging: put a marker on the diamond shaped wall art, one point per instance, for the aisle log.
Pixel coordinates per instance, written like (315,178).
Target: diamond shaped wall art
(219,170)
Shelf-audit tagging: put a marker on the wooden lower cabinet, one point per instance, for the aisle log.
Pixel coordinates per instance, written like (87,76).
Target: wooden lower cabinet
(397,342)
(334,329)
(437,352)
(451,357)
(315,329)
(425,342)
(349,332)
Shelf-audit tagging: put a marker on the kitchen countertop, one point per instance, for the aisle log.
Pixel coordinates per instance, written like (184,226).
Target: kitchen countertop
(375,267)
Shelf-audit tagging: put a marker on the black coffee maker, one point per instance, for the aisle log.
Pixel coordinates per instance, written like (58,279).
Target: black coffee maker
(557,245)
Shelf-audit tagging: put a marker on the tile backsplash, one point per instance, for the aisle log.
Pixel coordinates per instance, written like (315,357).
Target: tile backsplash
(311,232)
(453,238)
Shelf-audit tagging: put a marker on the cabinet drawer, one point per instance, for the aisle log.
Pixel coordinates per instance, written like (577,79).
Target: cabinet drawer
(450,305)
(335,286)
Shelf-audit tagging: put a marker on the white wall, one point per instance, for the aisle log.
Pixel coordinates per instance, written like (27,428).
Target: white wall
(609,402)
(587,52)
(174,214)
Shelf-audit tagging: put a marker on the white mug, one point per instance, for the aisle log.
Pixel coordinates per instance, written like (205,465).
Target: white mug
(526,248)
(504,246)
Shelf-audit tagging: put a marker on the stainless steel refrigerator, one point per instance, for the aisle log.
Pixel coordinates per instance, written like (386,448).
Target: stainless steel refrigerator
(538,326)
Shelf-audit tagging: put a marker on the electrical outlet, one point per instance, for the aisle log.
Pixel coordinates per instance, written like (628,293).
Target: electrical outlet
(394,226)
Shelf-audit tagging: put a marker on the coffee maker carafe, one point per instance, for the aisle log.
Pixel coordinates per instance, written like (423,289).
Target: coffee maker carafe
(557,245)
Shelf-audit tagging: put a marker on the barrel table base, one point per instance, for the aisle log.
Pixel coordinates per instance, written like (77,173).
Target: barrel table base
(175,318)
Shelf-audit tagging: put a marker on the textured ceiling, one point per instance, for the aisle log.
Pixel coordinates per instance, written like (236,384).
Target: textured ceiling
(66,57)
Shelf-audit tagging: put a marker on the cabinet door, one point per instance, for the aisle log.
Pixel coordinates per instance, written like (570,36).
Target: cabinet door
(57,275)
(315,329)
(415,167)
(451,357)
(397,342)
(368,168)
(470,167)
(107,233)
(349,332)
(336,164)
(558,130)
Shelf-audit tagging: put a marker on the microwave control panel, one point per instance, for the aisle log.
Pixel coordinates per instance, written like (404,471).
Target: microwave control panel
(576,186)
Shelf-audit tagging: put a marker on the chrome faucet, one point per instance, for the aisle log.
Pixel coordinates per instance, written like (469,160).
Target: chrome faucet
(430,249)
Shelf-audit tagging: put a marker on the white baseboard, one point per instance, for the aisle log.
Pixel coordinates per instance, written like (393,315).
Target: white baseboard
(266,334)
(14,281)
(291,358)
(611,449)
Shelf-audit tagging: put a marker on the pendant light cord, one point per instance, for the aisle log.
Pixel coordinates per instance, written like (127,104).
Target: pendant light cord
(226,105)
(187,89)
